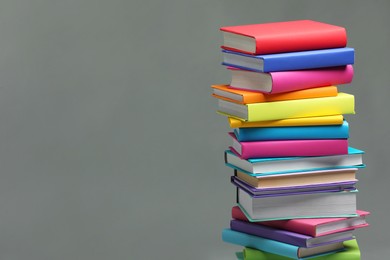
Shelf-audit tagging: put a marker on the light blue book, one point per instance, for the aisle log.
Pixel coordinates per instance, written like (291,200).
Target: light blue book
(276,247)
(291,60)
(292,132)
(271,166)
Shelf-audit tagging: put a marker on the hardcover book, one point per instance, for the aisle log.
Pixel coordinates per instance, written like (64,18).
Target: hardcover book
(297,189)
(288,148)
(289,61)
(276,247)
(304,121)
(351,252)
(246,97)
(286,81)
(288,237)
(312,107)
(278,165)
(298,178)
(292,132)
(288,36)
(318,204)
(314,227)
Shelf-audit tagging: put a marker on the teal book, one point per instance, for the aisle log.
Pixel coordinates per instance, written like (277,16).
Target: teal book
(351,252)
(276,247)
(292,132)
(271,166)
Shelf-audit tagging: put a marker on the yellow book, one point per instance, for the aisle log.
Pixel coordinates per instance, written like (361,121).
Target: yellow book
(312,107)
(303,121)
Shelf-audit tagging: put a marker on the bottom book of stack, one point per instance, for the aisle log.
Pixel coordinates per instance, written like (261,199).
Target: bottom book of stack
(351,252)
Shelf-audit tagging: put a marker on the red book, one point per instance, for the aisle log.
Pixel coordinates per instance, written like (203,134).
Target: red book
(311,226)
(278,37)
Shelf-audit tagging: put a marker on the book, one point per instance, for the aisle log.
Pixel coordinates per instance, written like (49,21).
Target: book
(287,36)
(290,60)
(351,252)
(320,120)
(276,247)
(288,237)
(314,227)
(297,189)
(288,148)
(246,97)
(341,104)
(292,132)
(278,165)
(317,204)
(286,81)
(298,178)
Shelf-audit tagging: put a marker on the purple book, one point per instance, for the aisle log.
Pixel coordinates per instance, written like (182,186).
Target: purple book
(324,187)
(288,237)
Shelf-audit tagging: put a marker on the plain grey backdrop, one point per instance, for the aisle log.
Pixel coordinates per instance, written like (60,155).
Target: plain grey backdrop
(110,147)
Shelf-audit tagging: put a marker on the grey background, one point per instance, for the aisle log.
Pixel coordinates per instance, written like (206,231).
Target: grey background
(110,147)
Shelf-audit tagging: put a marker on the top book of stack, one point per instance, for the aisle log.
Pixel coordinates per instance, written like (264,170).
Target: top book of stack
(279,37)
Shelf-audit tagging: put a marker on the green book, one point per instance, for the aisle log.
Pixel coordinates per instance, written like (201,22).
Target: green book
(351,252)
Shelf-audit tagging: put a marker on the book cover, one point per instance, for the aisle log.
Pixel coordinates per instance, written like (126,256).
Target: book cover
(280,165)
(351,252)
(293,132)
(288,148)
(312,107)
(247,97)
(289,61)
(286,81)
(276,247)
(308,226)
(285,36)
(304,121)
(287,236)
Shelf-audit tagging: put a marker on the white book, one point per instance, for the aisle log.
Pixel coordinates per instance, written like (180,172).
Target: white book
(301,205)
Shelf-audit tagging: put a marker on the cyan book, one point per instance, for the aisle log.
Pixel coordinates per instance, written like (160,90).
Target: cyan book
(276,247)
(280,165)
(292,132)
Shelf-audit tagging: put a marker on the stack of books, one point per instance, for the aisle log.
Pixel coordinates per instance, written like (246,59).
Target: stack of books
(294,171)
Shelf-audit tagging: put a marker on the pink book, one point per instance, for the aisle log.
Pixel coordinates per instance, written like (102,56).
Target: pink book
(288,148)
(314,227)
(286,81)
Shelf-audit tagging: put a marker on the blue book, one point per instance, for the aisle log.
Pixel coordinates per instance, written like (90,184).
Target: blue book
(271,166)
(292,132)
(276,247)
(291,60)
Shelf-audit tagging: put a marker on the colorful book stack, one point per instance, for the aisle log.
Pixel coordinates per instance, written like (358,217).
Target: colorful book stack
(294,171)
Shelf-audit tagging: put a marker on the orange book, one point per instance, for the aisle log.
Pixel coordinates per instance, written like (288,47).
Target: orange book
(248,97)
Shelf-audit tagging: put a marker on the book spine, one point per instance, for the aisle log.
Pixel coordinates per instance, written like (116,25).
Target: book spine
(308,59)
(269,233)
(293,133)
(285,81)
(260,243)
(286,148)
(341,104)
